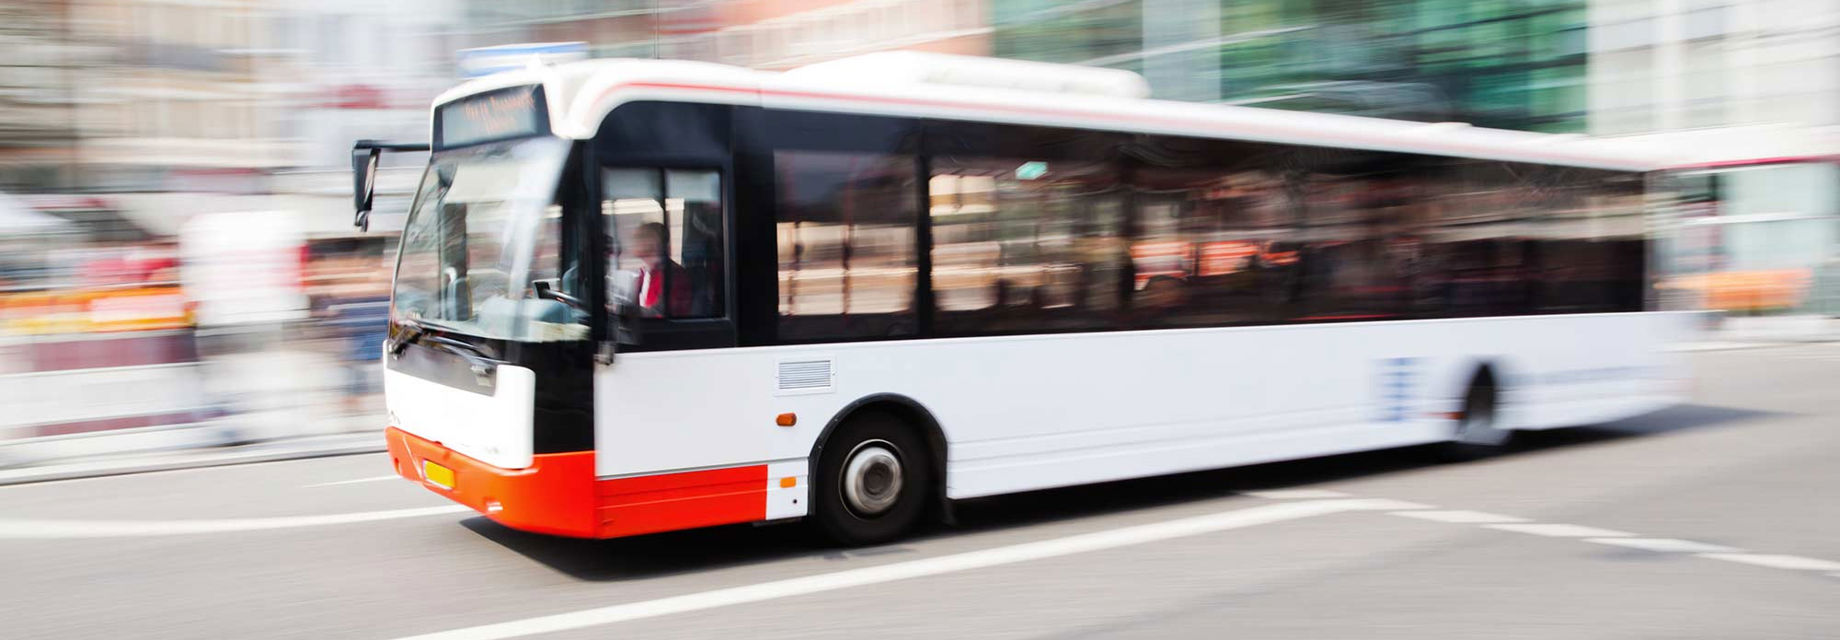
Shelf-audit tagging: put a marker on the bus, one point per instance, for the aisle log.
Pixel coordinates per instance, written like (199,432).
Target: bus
(636,296)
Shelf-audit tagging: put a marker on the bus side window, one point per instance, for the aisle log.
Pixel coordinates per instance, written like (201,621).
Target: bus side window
(1211,240)
(845,226)
(1025,244)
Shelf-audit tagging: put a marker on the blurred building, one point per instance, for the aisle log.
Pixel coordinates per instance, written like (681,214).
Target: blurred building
(753,33)
(349,70)
(38,96)
(212,97)
(782,35)
(1746,95)
(183,98)
(1661,65)
(613,28)
(1517,65)
(352,69)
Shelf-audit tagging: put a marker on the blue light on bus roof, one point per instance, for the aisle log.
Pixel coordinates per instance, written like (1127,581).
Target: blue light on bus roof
(484,61)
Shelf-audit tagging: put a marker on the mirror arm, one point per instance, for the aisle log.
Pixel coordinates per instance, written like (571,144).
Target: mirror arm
(365,156)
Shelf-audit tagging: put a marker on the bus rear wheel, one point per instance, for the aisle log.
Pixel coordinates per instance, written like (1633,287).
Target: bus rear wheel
(873,478)
(1477,433)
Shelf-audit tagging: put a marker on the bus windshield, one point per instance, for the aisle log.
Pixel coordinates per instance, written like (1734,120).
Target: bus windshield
(483,235)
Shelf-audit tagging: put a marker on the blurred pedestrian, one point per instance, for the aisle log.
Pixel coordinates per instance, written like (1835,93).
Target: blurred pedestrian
(357,315)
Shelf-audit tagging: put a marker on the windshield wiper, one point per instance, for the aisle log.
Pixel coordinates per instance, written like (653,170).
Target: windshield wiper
(477,359)
(415,331)
(469,347)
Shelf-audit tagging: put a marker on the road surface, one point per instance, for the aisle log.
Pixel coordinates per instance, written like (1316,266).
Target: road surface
(1719,519)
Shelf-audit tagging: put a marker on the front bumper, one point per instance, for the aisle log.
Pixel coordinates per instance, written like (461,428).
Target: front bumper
(555,495)
(559,493)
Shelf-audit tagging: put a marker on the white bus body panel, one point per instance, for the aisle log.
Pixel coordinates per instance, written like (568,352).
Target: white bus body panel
(494,429)
(1034,412)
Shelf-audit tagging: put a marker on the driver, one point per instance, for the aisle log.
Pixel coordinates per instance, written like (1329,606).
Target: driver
(648,246)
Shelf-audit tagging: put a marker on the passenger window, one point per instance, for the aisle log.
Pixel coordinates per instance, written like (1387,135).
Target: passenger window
(1215,246)
(846,225)
(1592,246)
(1025,245)
(665,247)
(1358,258)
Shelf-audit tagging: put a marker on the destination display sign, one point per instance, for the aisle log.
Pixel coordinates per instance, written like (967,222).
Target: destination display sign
(500,114)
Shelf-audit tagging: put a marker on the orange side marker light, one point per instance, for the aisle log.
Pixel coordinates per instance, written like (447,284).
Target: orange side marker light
(788,482)
(786,419)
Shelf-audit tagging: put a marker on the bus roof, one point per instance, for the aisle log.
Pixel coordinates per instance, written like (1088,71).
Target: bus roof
(580,94)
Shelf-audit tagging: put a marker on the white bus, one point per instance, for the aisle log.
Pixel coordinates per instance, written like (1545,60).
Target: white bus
(639,296)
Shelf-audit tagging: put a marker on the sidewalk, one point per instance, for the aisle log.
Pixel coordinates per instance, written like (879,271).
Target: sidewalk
(285,449)
(1777,329)
(1743,332)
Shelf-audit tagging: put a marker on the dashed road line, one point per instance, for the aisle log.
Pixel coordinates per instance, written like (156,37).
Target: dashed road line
(852,578)
(1297,494)
(1554,530)
(1664,545)
(354,481)
(1458,516)
(1600,536)
(1796,563)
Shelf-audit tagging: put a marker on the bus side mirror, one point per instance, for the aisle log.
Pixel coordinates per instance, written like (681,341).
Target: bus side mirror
(364,159)
(363,184)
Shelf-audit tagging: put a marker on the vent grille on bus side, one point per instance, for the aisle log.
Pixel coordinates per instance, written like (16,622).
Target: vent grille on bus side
(805,375)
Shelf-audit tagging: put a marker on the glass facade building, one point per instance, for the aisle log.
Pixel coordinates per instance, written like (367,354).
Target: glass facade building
(1496,63)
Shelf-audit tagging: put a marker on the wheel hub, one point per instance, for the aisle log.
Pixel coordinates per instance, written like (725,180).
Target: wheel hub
(872,478)
(1478,427)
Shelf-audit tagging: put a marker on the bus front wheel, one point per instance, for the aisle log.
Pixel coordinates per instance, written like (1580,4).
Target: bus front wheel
(873,478)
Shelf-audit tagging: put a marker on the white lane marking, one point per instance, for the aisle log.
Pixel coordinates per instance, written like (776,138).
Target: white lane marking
(1664,545)
(1080,543)
(1611,537)
(1297,494)
(1797,563)
(1457,516)
(1560,530)
(356,481)
(64,529)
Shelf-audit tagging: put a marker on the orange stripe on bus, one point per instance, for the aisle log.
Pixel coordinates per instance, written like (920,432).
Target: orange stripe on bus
(559,494)
(666,502)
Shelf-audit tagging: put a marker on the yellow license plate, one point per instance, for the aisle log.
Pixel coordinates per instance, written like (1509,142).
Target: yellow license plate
(438,475)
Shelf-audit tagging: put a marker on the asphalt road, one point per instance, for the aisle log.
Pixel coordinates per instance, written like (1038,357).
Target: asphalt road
(1719,519)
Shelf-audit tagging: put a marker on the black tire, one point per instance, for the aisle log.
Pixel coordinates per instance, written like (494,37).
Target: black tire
(1475,434)
(867,439)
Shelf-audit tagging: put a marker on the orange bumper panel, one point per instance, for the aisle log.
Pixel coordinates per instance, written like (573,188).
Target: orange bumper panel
(554,496)
(686,500)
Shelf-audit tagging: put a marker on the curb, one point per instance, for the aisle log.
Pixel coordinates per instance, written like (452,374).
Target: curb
(194,459)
